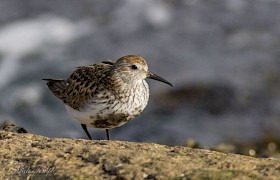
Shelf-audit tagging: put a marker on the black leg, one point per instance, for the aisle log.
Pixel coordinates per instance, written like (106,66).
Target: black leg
(108,135)
(85,129)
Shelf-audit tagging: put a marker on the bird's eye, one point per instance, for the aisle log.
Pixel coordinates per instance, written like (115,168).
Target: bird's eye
(134,67)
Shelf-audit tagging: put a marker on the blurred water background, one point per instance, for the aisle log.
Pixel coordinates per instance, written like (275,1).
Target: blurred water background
(222,56)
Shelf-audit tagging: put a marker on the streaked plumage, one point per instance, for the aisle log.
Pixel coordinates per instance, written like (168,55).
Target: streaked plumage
(106,95)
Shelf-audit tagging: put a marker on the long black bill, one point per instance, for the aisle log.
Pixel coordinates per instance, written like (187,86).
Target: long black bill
(158,78)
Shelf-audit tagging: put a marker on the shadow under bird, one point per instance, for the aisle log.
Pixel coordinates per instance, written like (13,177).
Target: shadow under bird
(106,95)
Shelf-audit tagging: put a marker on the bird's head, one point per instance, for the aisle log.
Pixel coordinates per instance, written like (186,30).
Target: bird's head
(132,68)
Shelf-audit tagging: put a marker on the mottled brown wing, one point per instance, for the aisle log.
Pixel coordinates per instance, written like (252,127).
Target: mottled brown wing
(84,83)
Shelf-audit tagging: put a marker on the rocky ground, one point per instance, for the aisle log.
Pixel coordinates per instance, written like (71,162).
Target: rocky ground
(32,156)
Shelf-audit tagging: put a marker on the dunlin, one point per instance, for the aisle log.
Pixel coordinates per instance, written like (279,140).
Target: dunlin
(106,95)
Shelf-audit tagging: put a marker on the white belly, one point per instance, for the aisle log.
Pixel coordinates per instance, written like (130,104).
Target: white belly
(106,115)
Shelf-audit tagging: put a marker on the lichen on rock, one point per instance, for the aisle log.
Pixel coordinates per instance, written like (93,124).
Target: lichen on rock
(33,156)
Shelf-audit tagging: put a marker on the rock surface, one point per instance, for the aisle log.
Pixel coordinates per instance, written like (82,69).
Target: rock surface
(32,156)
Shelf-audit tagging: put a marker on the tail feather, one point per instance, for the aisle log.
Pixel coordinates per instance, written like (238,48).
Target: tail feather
(57,86)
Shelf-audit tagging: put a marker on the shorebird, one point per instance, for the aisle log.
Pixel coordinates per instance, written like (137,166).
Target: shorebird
(106,95)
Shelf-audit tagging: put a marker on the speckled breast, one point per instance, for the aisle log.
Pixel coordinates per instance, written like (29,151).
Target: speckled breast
(113,111)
